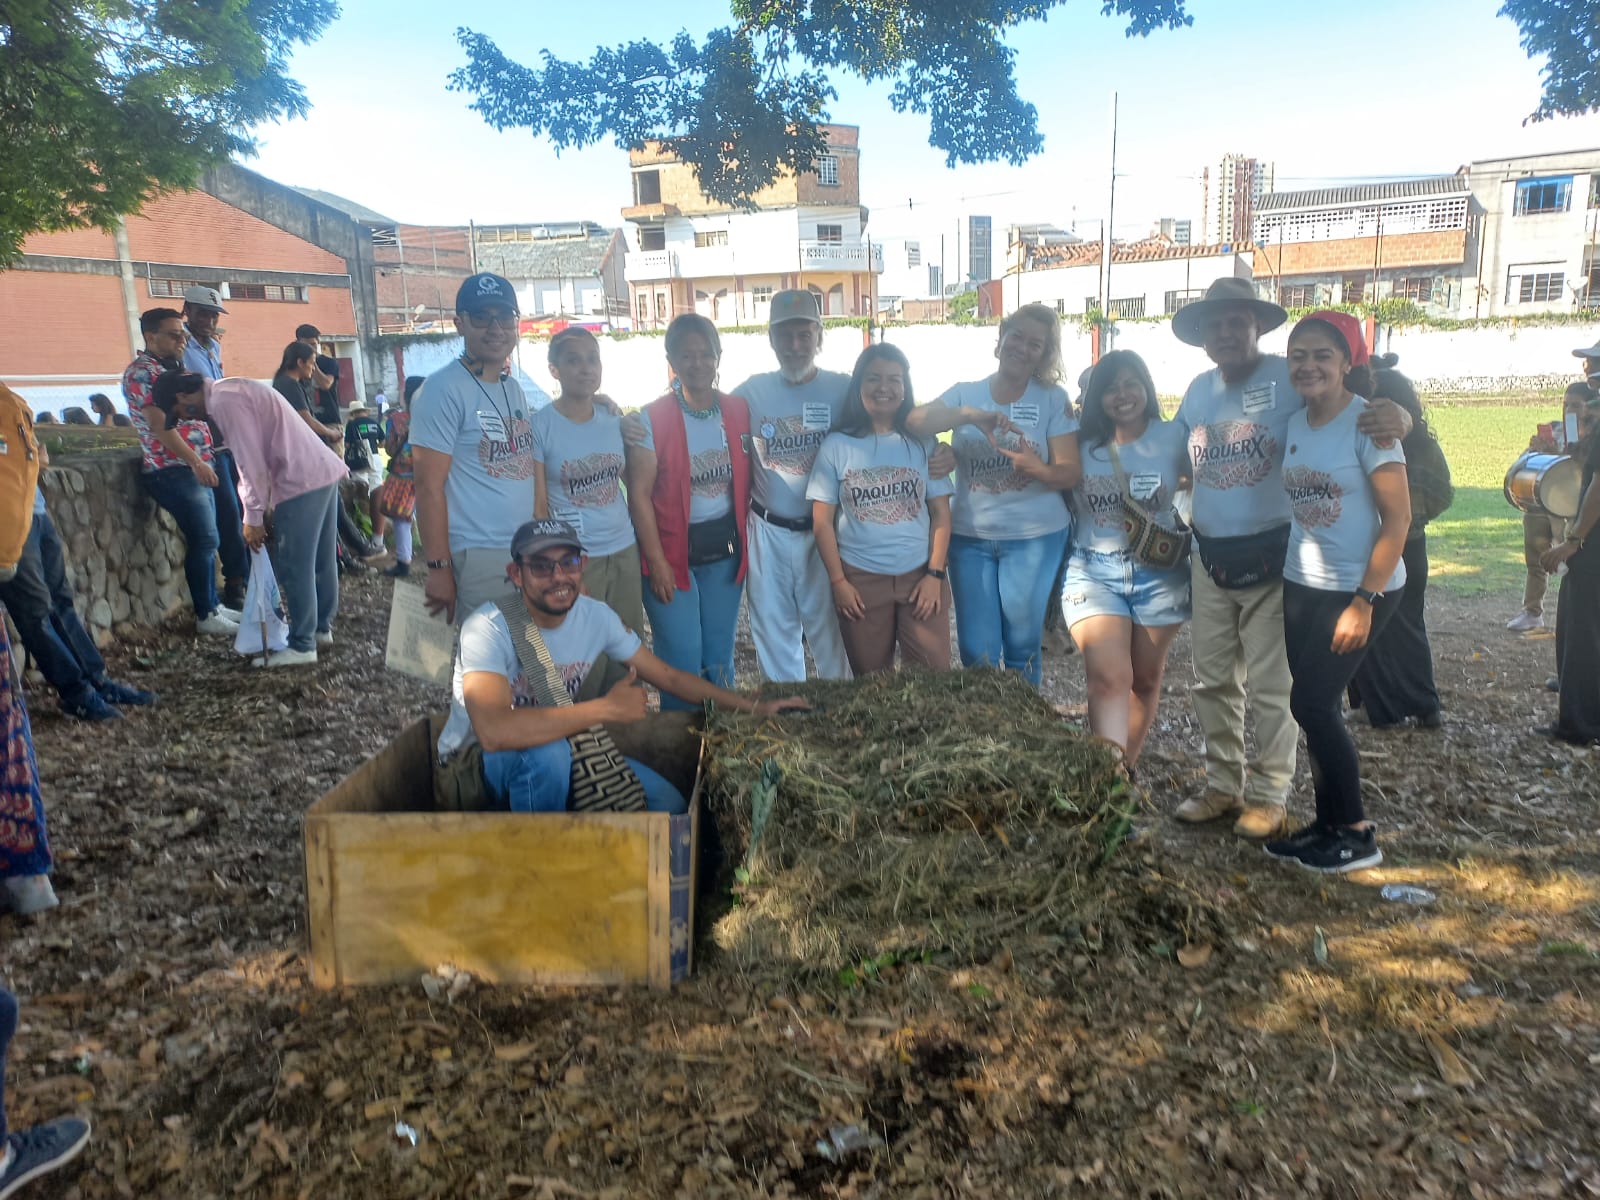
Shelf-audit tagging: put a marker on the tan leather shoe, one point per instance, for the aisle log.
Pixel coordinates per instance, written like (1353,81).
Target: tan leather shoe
(1261,821)
(1212,806)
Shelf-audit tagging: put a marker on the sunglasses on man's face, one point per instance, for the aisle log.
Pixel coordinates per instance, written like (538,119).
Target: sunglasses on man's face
(545,568)
(506,320)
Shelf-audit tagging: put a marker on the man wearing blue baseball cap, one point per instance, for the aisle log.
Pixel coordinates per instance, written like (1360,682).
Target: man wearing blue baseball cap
(524,658)
(472,440)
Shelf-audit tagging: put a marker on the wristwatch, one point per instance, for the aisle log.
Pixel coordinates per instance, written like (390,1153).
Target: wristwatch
(936,573)
(438,564)
(1370,597)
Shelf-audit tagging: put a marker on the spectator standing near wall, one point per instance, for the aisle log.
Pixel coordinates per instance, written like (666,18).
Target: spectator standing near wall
(178,471)
(202,354)
(472,442)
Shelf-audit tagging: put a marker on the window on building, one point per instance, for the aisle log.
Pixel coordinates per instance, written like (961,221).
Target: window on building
(1536,196)
(1061,308)
(266,291)
(1298,295)
(1091,304)
(913,254)
(1127,309)
(652,239)
(647,187)
(1417,290)
(830,233)
(828,170)
(644,307)
(172,289)
(1176,300)
(1532,285)
(1355,289)
(1594,191)
(711,237)
(385,236)
(761,295)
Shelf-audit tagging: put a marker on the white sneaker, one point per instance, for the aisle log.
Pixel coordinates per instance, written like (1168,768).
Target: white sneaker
(218,625)
(324,637)
(27,894)
(233,614)
(1524,621)
(287,658)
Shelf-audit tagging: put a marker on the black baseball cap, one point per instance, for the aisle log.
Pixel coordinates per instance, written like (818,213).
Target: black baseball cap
(480,291)
(533,536)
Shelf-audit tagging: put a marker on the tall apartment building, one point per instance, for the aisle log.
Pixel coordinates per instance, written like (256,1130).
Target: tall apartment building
(1176,230)
(980,249)
(689,253)
(1229,199)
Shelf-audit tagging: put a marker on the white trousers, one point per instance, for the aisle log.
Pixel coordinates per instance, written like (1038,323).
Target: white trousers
(787,594)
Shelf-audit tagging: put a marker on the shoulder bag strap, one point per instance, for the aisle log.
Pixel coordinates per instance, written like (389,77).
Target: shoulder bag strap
(601,780)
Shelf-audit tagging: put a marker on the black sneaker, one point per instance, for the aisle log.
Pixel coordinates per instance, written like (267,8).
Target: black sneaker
(90,708)
(399,571)
(113,692)
(1288,848)
(42,1149)
(1340,850)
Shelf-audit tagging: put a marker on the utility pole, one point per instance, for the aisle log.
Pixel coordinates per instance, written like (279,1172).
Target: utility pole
(1111,211)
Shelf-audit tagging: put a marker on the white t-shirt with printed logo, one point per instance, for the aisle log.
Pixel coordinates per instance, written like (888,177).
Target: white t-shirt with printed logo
(1155,466)
(487,430)
(992,498)
(583,464)
(787,424)
(589,630)
(710,466)
(1336,521)
(1236,440)
(881,487)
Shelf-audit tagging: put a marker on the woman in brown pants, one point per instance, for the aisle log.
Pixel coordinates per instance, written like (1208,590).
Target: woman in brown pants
(886,555)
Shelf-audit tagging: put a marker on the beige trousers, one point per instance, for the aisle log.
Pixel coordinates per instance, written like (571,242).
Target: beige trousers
(1237,635)
(480,577)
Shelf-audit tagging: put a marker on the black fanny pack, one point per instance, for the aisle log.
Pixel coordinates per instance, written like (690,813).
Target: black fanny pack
(714,540)
(1241,562)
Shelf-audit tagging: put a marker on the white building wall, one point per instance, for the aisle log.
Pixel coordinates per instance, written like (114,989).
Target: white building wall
(1512,244)
(1069,289)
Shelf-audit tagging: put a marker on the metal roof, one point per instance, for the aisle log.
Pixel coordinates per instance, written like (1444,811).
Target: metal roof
(1366,193)
(546,258)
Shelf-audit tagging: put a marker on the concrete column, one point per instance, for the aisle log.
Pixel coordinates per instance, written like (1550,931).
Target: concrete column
(130,292)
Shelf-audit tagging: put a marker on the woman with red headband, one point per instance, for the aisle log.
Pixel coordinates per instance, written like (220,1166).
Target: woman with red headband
(1342,578)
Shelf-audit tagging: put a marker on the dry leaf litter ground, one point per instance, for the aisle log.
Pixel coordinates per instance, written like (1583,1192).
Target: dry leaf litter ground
(1304,1038)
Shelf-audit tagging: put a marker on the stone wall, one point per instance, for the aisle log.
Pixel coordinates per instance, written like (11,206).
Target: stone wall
(124,555)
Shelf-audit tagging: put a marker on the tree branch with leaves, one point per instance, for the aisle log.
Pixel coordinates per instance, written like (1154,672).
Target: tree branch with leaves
(743,105)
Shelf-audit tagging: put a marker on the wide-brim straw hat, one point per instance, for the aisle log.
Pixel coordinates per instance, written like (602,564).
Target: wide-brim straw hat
(1189,322)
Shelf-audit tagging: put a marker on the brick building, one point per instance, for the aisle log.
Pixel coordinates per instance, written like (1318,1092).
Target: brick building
(689,253)
(279,258)
(1405,239)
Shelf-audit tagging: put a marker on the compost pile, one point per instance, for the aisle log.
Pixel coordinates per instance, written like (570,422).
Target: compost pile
(927,814)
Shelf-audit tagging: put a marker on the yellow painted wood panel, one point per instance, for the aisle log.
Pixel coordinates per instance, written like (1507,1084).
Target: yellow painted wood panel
(512,898)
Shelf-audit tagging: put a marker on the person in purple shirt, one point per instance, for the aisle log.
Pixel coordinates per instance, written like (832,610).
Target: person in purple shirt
(283,462)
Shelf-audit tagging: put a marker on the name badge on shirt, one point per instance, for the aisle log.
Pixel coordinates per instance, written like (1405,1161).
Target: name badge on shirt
(493,426)
(1144,484)
(815,414)
(1025,414)
(1260,397)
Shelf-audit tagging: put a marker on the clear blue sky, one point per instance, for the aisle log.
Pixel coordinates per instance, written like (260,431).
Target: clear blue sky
(1361,89)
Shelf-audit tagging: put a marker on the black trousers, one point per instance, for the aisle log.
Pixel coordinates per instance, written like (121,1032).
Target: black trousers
(1395,680)
(1316,697)
(1578,646)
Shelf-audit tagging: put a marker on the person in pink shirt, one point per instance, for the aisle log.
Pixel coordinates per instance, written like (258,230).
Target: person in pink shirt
(284,467)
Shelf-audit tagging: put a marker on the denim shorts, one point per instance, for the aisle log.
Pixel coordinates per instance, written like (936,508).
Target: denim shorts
(1101,584)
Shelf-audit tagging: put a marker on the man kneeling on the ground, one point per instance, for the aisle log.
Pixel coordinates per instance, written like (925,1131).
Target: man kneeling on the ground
(527,759)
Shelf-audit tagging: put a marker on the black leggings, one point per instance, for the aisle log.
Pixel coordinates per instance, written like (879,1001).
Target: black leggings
(1317,696)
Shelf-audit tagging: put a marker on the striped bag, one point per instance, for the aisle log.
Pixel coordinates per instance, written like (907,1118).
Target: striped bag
(601,780)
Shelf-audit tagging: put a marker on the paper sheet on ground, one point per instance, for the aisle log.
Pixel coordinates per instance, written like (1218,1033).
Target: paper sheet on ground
(420,644)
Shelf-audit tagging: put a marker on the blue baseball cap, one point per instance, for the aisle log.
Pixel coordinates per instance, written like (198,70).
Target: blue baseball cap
(484,290)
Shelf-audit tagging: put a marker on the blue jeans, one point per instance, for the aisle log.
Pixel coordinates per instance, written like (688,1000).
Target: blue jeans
(538,779)
(194,507)
(40,602)
(695,632)
(231,549)
(1001,589)
(305,558)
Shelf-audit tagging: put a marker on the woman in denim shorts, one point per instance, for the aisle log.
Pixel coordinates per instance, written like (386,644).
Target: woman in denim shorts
(1123,614)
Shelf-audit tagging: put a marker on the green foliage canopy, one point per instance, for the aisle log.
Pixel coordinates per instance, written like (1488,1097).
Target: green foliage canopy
(1567,34)
(104,103)
(744,104)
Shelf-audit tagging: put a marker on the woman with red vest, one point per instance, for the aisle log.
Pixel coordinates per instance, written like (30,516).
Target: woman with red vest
(689,492)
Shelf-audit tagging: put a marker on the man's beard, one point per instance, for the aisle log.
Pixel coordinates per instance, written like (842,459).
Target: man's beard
(802,375)
(577,589)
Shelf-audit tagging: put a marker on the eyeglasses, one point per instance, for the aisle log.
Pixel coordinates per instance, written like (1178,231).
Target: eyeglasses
(487,321)
(545,568)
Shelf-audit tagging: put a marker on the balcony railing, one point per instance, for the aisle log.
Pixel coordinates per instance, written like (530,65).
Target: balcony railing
(837,256)
(650,264)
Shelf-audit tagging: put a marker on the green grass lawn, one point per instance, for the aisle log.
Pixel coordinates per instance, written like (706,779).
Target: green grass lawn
(1476,547)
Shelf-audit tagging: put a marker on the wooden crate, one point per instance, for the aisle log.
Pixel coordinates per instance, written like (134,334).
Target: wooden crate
(395,888)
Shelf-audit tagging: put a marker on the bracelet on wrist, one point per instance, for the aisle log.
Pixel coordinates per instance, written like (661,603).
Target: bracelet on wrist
(438,564)
(934,572)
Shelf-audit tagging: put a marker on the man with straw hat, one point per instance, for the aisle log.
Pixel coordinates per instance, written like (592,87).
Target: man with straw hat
(1237,415)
